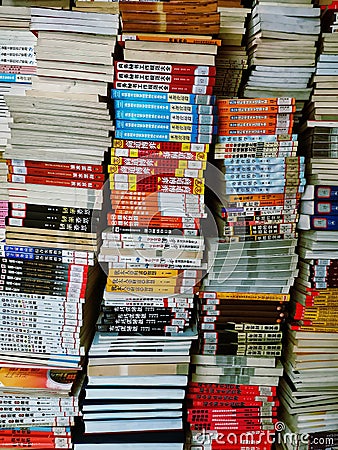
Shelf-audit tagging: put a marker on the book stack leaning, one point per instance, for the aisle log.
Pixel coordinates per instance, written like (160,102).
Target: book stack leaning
(139,361)
(309,389)
(255,187)
(51,278)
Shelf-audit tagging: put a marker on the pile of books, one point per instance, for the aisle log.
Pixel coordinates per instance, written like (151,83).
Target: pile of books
(197,17)
(38,407)
(231,58)
(255,189)
(18,63)
(51,279)
(309,390)
(311,351)
(139,361)
(281,45)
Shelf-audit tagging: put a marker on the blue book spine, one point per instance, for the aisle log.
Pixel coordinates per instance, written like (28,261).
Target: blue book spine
(326,208)
(180,108)
(262,161)
(163,136)
(165,126)
(259,190)
(15,78)
(256,182)
(270,168)
(324,223)
(156,116)
(169,97)
(326,193)
(16,255)
(275,175)
(18,249)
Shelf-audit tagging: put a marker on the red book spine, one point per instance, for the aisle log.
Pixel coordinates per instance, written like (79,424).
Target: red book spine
(230,389)
(157,163)
(152,203)
(181,69)
(226,414)
(29,179)
(159,146)
(161,222)
(230,404)
(161,188)
(58,166)
(226,427)
(35,442)
(8,68)
(164,87)
(17,170)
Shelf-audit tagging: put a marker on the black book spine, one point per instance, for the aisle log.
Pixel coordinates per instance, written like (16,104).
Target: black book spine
(23,264)
(50,225)
(27,208)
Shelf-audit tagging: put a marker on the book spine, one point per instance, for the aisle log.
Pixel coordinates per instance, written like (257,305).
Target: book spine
(256,138)
(15,78)
(154,230)
(194,89)
(155,162)
(17,69)
(231,388)
(52,217)
(69,167)
(143,77)
(140,221)
(162,171)
(257,101)
(177,69)
(49,225)
(327,223)
(24,208)
(163,136)
(169,97)
(120,153)
(19,170)
(86,184)
(139,125)
(248,110)
(155,116)
(157,146)
(158,184)
(178,108)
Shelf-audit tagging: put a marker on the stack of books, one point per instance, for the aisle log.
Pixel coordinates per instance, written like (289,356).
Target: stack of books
(255,189)
(231,59)
(281,45)
(152,247)
(51,280)
(38,407)
(17,59)
(323,106)
(311,351)
(170,16)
